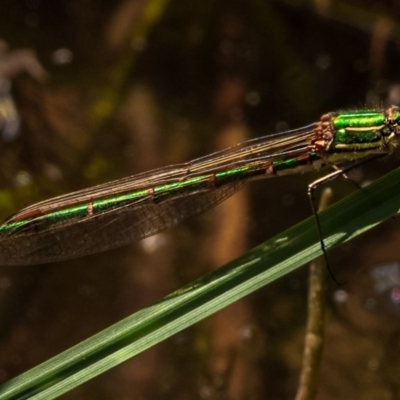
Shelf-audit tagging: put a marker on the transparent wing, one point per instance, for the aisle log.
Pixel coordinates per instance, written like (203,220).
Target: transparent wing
(262,149)
(32,236)
(107,230)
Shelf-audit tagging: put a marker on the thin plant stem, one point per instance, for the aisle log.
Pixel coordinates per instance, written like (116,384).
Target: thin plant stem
(314,338)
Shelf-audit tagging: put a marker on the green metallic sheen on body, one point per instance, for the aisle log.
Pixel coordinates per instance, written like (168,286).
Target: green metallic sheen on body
(231,172)
(178,185)
(360,119)
(110,202)
(231,175)
(347,136)
(290,163)
(13,226)
(48,219)
(118,201)
(74,212)
(363,131)
(122,200)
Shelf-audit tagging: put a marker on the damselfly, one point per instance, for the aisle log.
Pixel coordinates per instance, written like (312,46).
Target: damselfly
(116,213)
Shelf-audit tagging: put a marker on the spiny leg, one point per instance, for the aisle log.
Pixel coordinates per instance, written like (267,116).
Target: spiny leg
(310,192)
(327,178)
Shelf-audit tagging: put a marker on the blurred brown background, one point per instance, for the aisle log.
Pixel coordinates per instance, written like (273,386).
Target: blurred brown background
(92,91)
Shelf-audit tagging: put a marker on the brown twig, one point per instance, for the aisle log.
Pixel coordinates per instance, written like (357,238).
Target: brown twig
(314,338)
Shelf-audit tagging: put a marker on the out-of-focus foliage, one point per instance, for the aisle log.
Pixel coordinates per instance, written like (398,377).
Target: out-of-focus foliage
(98,90)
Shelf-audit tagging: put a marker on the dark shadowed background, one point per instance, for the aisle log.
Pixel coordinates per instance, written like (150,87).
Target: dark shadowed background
(92,91)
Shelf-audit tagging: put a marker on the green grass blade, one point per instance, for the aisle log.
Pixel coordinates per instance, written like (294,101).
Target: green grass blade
(260,266)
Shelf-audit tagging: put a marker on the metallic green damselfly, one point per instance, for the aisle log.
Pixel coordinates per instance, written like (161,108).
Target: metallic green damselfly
(116,213)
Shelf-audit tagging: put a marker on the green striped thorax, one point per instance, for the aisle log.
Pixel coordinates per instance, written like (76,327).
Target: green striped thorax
(354,135)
